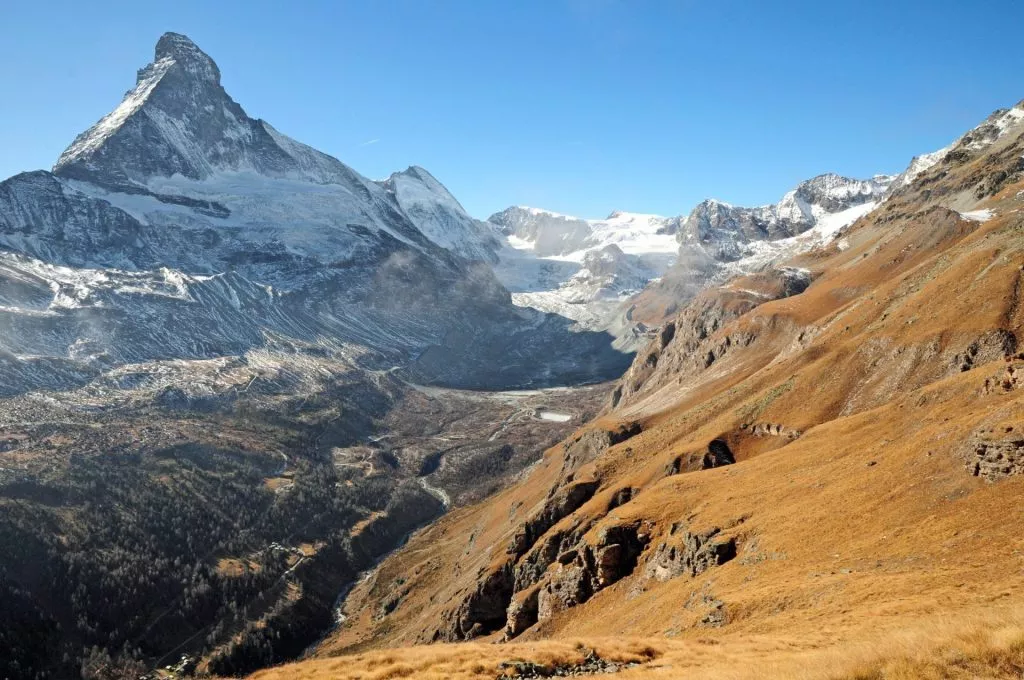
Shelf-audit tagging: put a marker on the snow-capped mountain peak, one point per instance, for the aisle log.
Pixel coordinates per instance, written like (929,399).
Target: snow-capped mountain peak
(186,54)
(723,230)
(179,121)
(180,228)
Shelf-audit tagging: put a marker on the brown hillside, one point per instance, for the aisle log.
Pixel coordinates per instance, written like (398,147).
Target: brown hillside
(783,487)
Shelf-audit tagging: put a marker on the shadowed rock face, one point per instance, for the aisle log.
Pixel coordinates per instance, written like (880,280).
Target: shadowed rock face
(575,575)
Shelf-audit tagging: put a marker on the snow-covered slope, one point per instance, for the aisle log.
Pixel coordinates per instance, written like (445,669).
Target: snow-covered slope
(548,234)
(439,217)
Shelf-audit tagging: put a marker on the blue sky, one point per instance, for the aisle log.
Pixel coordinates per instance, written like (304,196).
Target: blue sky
(579,106)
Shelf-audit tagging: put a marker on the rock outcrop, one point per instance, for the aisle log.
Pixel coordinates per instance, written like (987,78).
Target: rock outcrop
(563,502)
(578,573)
(1009,379)
(990,346)
(487,608)
(995,453)
(771,430)
(689,553)
(587,446)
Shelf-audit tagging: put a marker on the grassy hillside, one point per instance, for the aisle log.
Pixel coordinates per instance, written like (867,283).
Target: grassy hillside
(820,485)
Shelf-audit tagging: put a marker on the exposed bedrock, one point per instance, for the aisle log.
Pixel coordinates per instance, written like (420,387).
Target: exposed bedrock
(485,610)
(692,342)
(771,430)
(1009,379)
(689,553)
(587,446)
(580,572)
(718,453)
(565,501)
(990,346)
(995,453)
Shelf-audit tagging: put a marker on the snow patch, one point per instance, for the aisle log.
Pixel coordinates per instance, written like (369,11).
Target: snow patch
(983,215)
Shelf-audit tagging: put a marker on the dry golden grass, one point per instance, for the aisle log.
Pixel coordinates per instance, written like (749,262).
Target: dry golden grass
(969,647)
(471,661)
(232,566)
(360,526)
(275,483)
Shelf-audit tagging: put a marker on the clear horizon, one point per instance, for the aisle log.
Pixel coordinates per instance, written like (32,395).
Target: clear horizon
(579,107)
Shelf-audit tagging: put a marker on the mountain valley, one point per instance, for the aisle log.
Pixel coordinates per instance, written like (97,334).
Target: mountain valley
(257,409)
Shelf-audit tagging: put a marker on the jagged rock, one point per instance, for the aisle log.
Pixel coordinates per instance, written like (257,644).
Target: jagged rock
(993,345)
(591,665)
(485,610)
(566,500)
(534,563)
(621,497)
(689,553)
(715,618)
(691,346)
(592,443)
(717,454)
(566,587)
(1010,379)
(586,569)
(668,331)
(771,430)
(522,613)
(995,454)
